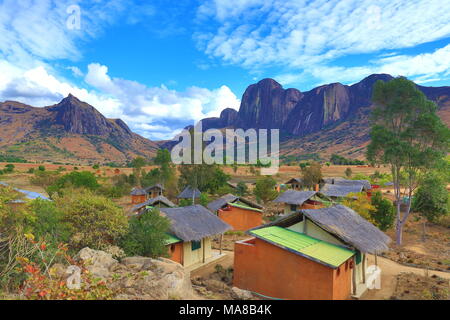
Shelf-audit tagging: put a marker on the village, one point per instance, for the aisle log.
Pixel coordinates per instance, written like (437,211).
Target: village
(295,240)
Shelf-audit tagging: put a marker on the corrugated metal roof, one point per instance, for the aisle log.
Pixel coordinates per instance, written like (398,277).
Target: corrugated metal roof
(311,248)
(172,239)
(238,205)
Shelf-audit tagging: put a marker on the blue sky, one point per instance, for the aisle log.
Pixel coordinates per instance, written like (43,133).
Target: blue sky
(161,65)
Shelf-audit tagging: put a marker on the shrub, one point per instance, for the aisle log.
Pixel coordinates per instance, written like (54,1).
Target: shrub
(384,213)
(265,189)
(361,205)
(41,168)
(9,168)
(95,221)
(44,178)
(74,179)
(242,189)
(147,235)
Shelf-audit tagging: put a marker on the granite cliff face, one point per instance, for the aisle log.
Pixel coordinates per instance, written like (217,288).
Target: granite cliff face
(267,105)
(310,121)
(69,130)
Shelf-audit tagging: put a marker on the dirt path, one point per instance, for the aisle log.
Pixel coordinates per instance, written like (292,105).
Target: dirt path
(389,271)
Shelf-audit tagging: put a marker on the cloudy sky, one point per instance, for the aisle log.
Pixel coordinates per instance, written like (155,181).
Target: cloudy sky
(161,65)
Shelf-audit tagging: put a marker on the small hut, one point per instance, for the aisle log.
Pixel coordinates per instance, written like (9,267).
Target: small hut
(240,213)
(295,183)
(315,254)
(189,193)
(157,202)
(194,226)
(138,195)
(295,200)
(154,191)
(340,191)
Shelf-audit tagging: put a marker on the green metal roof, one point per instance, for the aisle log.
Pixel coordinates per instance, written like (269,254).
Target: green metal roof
(304,245)
(238,205)
(172,239)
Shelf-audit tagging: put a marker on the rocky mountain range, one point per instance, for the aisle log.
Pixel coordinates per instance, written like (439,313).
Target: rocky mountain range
(71,130)
(332,118)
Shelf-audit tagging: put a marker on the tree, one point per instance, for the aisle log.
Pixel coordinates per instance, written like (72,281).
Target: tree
(138,162)
(348,172)
(41,168)
(406,135)
(204,199)
(96,166)
(205,177)
(311,175)
(431,199)
(384,214)
(94,221)
(241,189)
(75,179)
(147,235)
(265,189)
(361,204)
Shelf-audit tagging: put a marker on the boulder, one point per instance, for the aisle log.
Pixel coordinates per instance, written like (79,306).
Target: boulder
(96,261)
(241,294)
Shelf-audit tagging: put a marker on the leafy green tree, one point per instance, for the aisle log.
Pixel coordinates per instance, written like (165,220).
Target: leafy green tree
(94,221)
(265,189)
(9,168)
(431,199)
(49,223)
(361,204)
(185,202)
(147,235)
(204,199)
(205,177)
(41,168)
(96,166)
(75,179)
(311,175)
(406,135)
(348,172)
(138,162)
(384,213)
(241,189)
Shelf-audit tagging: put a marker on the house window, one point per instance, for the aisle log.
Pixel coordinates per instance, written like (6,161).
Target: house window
(195,245)
(293,207)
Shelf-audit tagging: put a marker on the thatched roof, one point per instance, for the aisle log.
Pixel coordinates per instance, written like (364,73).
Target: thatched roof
(138,192)
(350,227)
(230,198)
(340,190)
(194,222)
(365,183)
(153,202)
(343,223)
(294,180)
(332,180)
(188,192)
(295,197)
(156,186)
(221,202)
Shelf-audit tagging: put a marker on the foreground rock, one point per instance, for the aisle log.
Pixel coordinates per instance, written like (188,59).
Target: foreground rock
(139,278)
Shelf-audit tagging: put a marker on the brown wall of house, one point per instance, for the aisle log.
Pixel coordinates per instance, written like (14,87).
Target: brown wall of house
(138,199)
(240,219)
(176,252)
(272,271)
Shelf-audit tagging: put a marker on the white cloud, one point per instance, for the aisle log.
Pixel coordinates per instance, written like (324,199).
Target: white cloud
(297,33)
(155,112)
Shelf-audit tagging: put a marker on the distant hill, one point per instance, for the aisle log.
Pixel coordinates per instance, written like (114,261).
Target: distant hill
(70,131)
(332,118)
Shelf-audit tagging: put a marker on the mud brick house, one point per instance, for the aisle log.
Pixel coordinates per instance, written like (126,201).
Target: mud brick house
(154,191)
(241,214)
(295,200)
(295,184)
(157,202)
(138,195)
(189,193)
(310,254)
(191,230)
